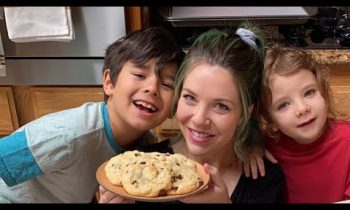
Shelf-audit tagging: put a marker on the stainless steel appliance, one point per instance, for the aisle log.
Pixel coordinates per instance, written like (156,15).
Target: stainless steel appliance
(307,27)
(78,62)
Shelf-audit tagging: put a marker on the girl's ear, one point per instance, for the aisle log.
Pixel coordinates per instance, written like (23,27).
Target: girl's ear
(107,83)
(274,127)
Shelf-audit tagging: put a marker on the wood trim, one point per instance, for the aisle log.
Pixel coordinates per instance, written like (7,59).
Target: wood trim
(9,120)
(135,18)
(23,103)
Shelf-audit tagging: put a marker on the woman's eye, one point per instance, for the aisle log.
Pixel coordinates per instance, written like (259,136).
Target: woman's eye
(188,97)
(282,106)
(222,107)
(310,92)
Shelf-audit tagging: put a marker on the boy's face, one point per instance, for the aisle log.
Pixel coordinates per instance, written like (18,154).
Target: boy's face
(140,100)
(298,108)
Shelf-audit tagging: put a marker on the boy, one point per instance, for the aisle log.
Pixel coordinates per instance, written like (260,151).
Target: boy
(55,158)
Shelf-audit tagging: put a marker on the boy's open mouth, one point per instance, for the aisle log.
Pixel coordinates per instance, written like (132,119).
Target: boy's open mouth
(144,106)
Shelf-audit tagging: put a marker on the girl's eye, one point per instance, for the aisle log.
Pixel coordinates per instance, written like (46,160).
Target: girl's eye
(282,106)
(310,92)
(222,107)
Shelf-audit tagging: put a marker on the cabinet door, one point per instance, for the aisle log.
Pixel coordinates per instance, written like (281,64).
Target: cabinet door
(342,100)
(52,99)
(8,115)
(340,84)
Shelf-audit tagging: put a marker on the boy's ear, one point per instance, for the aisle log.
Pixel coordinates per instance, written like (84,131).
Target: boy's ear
(107,83)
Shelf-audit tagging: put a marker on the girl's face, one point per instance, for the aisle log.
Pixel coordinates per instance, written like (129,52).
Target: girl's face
(298,108)
(209,109)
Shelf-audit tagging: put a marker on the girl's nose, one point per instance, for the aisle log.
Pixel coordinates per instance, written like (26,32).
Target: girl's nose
(302,109)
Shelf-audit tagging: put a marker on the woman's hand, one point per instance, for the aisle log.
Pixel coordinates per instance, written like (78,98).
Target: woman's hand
(215,193)
(256,162)
(109,197)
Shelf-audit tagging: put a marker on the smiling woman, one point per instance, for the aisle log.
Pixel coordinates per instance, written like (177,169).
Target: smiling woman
(215,93)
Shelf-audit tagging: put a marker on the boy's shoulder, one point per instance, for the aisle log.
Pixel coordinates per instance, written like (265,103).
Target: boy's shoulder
(75,121)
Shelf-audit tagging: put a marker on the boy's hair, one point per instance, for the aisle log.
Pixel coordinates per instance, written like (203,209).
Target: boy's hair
(284,60)
(245,62)
(141,46)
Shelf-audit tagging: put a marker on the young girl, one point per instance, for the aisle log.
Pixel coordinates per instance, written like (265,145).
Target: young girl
(297,112)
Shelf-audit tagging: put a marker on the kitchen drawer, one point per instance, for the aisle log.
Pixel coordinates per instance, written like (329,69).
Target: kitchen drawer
(8,115)
(52,99)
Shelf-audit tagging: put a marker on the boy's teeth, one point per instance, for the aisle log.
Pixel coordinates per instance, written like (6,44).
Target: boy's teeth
(149,106)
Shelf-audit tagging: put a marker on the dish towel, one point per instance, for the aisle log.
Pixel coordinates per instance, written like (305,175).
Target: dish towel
(34,24)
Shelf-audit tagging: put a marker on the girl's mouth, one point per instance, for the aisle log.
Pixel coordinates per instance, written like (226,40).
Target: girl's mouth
(306,123)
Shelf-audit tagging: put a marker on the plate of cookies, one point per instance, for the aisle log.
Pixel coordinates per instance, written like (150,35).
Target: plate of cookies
(152,176)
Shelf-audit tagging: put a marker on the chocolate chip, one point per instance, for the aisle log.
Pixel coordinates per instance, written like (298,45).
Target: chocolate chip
(162,192)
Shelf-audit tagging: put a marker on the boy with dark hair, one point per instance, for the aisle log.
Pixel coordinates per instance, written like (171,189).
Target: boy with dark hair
(55,158)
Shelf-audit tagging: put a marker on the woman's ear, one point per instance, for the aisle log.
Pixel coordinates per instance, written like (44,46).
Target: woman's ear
(107,83)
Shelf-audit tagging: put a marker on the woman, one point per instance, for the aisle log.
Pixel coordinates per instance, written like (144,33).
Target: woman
(215,92)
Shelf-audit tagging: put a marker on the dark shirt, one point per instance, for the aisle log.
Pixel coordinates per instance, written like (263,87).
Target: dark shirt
(267,189)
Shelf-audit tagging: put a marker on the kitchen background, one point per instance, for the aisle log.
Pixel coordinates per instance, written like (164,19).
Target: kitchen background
(47,76)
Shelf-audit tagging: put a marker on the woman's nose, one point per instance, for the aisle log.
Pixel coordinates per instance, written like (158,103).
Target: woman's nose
(200,117)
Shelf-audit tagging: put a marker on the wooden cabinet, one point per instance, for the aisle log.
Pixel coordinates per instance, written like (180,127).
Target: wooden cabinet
(135,18)
(8,115)
(169,128)
(340,84)
(52,99)
(35,101)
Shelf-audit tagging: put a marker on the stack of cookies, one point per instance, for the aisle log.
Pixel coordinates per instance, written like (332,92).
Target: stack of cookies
(153,174)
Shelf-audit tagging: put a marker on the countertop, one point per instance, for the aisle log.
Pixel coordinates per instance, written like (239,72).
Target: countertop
(333,56)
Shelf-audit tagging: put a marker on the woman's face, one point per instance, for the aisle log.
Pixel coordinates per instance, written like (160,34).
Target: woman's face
(209,109)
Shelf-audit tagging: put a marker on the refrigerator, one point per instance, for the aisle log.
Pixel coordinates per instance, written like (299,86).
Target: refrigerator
(78,62)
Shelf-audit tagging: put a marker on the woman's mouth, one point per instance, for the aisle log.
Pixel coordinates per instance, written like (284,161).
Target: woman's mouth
(199,137)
